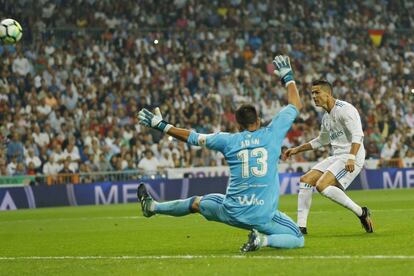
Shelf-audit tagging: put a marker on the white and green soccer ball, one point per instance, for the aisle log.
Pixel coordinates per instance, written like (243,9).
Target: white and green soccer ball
(10,31)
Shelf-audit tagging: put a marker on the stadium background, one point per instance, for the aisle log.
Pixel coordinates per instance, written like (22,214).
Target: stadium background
(69,92)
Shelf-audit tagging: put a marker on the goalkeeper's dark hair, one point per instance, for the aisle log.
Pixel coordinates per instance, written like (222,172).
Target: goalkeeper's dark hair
(246,115)
(324,84)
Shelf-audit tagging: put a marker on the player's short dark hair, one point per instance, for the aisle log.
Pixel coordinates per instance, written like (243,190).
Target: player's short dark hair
(246,115)
(324,84)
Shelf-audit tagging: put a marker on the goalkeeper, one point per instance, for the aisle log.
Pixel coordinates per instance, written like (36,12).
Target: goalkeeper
(252,197)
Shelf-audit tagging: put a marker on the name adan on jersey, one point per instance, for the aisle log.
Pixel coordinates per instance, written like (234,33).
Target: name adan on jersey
(245,200)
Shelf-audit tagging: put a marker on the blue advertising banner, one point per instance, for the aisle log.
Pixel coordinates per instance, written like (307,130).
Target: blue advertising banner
(388,178)
(12,198)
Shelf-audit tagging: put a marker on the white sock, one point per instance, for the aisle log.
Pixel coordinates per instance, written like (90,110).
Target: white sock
(152,206)
(304,203)
(263,240)
(337,195)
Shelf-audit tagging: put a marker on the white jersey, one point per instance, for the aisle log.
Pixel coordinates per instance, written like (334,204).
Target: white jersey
(340,128)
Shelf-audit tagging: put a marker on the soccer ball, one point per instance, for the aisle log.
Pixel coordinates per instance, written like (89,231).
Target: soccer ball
(10,31)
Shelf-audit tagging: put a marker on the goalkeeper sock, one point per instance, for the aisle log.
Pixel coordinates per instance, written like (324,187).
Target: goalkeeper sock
(337,195)
(304,203)
(176,208)
(263,241)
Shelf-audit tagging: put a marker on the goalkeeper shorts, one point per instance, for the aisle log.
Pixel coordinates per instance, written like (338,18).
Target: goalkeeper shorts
(212,208)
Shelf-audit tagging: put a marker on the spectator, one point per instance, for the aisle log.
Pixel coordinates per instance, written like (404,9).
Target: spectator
(32,158)
(15,148)
(72,151)
(58,156)
(409,118)
(103,164)
(165,161)
(92,86)
(149,163)
(66,169)
(69,97)
(21,66)
(31,169)
(12,166)
(3,169)
(44,109)
(20,169)
(388,150)
(51,167)
(41,138)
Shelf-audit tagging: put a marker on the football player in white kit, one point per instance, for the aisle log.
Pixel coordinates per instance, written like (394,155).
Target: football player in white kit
(341,128)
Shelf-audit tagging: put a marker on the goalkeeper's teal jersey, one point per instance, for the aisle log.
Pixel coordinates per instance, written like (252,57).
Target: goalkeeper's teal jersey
(252,194)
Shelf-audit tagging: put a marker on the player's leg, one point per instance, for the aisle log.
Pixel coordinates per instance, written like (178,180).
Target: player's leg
(211,208)
(175,208)
(307,182)
(280,232)
(327,186)
(332,185)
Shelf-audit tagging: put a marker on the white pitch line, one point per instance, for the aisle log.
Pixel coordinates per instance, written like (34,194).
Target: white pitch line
(75,218)
(184,257)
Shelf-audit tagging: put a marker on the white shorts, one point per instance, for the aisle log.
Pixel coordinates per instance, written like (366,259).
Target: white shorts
(336,165)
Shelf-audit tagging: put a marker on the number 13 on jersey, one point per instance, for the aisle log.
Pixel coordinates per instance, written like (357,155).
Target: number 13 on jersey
(261,158)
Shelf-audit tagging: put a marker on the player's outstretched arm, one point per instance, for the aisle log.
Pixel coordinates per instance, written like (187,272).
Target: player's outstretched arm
(284,70)
(216,141)
(295,150)
(155,121)
(320,141)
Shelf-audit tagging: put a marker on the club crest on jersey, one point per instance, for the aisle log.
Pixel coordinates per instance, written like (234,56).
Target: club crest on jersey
(326,124)
(252,200)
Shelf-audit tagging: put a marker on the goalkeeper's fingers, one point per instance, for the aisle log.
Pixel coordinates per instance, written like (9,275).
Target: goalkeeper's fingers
(157,112)
(144,121)
(144,117)
(142,113)
(287,59)
(147,113)
(278,62)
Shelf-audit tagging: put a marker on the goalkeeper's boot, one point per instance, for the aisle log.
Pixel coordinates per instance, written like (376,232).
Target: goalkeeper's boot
(366,221)
(303,230)
(253,242)
(146,200)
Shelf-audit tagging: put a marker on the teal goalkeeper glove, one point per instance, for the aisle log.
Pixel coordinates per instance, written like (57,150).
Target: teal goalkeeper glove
(155,121)
(283,69)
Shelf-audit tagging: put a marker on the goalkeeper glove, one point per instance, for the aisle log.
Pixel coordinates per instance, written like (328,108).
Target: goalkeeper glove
(155,121)
(283,69)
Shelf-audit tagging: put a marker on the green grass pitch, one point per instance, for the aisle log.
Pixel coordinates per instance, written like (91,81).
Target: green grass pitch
(117,240)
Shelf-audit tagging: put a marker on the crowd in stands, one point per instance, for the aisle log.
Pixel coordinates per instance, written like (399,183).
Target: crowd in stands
(68,104)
